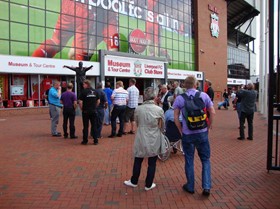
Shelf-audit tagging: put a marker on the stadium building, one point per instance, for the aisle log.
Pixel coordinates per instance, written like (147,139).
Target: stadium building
(242,31)
(154,41)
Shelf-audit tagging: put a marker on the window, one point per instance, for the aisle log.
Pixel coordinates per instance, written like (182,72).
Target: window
(53,25)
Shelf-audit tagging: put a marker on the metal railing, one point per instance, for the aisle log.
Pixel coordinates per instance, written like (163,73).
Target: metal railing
(273,148)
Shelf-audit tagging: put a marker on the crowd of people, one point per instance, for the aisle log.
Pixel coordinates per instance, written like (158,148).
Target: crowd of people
(174,102)
(98,106)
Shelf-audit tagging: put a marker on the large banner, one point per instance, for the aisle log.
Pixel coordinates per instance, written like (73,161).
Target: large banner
(77,29)
(32,65)
(132,67)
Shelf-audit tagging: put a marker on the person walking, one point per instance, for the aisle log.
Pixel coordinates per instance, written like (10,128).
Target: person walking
(101,108)
(119,98)
(133,96)
(55,107)
(69,101)
(89,101)
(195,139)
(148,142)
(247,108)
(210,90)
(108,91)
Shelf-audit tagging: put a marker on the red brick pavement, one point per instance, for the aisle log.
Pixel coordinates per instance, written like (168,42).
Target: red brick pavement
(40,171)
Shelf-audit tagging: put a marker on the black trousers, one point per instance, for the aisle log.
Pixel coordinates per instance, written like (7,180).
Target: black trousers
(118,111)
(69,115)
(250,118)
(92,118)
(150,172)
(100,119)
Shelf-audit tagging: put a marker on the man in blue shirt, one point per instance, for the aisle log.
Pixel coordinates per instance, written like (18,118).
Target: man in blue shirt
(55,107)
(108,91)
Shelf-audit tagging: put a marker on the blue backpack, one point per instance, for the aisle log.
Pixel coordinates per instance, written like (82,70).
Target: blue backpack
(195,111)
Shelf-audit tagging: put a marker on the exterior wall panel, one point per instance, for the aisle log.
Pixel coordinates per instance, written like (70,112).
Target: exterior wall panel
(212,51)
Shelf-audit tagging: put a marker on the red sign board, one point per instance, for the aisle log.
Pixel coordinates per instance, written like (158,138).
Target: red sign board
(138,41)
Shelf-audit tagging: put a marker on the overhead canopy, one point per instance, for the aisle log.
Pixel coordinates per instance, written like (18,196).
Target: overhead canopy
(239,12)
(240,37)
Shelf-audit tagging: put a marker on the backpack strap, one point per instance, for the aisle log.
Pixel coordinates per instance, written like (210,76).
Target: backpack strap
(197,94)
(185,97)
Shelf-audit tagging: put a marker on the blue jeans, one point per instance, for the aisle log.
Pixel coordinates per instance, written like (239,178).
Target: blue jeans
(201,143)
(107,115)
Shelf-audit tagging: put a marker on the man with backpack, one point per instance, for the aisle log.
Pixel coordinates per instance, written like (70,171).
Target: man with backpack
(194,106)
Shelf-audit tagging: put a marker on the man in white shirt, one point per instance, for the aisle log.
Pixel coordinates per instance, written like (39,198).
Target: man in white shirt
(177,89)
(119,99)
(133,95)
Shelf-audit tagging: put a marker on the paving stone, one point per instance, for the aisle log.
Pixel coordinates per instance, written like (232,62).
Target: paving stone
(41,171)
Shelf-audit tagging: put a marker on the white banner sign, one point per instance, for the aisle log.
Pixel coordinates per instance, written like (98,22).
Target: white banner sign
(233,81)
(132,67)
(182,74)
(50,66)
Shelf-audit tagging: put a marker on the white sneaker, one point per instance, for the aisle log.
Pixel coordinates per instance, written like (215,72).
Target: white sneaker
(128,183)
(149,188)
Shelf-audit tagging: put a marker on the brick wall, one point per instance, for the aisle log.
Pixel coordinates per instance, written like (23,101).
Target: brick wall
(211,52)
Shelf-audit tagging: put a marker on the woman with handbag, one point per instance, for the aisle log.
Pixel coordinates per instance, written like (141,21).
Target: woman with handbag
(149,140)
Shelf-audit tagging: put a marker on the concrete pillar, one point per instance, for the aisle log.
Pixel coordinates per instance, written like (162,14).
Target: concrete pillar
(263,59)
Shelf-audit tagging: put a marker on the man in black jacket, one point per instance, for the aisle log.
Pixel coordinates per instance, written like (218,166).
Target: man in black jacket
(247,108)
(89,101)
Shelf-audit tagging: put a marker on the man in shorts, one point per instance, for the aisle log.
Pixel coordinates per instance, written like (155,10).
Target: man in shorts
(133,95)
